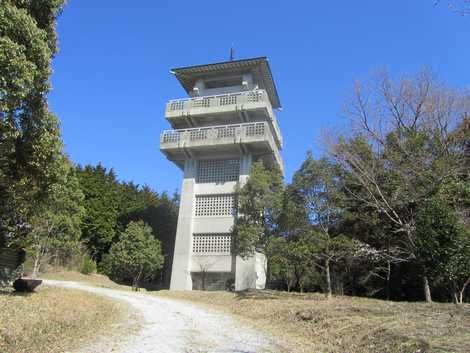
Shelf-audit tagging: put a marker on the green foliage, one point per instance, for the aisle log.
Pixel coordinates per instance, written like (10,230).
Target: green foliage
(280,267)
(159,211)
(404,150)
(319,186)
(8,275)
(246,237)
(136,256)
(292,261)
(88,265)
(55,227)
(30,143)
(110,206)
(443,245)
(258,210)
(389,205)
(101,208)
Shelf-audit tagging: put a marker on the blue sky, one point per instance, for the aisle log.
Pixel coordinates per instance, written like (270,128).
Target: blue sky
(111,77)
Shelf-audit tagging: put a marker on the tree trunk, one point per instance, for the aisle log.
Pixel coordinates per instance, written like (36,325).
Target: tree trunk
(329,291)
(353,285)
(462,291)
(136,281)
(37,261)
(36,266)
(455,297)
(467,282)
(389,270)
(427,290)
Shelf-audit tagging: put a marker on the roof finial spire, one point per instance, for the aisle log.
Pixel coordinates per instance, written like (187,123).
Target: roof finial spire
(232,52)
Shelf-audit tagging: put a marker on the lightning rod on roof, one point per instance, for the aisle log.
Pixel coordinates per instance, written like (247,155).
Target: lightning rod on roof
(232,53)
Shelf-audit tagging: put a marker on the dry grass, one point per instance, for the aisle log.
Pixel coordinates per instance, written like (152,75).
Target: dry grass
(344,324)
(54,319)
(94,279)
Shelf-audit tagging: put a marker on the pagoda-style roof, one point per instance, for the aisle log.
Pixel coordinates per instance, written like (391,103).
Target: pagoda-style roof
(259,67)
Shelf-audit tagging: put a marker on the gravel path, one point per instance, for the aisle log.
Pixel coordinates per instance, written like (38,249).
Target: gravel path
(171,326)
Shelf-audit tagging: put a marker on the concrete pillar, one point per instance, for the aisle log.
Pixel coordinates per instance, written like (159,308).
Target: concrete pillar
(247,82)
(199,88)
(250,273)
(180,274)
(245,276)
(261,266)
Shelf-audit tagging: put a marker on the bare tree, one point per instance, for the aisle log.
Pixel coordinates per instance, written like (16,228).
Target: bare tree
(205,264)
(400,150)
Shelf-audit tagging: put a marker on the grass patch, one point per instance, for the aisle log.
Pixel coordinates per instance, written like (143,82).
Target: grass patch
(95,279)
(309,323)
(54,319)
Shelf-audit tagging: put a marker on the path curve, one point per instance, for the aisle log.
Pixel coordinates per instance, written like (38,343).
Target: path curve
(172,326)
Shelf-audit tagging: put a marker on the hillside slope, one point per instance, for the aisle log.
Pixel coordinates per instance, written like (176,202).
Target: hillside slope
(309,323)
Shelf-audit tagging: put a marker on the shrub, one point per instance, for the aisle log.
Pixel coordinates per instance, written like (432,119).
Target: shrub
(105,266)
(136,256)
(88,265)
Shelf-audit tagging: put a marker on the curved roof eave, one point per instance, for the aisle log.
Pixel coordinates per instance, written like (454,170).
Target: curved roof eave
(189,74)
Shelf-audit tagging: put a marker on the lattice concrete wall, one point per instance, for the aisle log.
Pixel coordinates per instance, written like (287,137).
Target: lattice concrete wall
(218,171)
(214,205)
(212,244)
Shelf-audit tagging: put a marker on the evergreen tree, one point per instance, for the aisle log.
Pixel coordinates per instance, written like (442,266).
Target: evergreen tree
(101,208)
(30,143)
(136,256)
(320,184)
(258,209)
(443,245)
(159,211)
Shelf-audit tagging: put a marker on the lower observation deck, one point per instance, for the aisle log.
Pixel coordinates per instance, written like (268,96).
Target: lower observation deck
(219,142)
(229,108)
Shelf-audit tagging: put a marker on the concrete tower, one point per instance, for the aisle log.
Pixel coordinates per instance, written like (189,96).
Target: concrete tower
(225,125)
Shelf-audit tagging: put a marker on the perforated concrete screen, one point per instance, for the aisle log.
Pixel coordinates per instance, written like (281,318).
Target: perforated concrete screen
(254,96)
(199,134)
(225,131)
(255,129)
(214,205)
(212,244)
(228,99)
(171,136)
(202,102)
(218,171)
(178,105)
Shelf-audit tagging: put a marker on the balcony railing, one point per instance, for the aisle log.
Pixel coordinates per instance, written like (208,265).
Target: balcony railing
(217,101)
(224,102)
(214,133)
(217,135)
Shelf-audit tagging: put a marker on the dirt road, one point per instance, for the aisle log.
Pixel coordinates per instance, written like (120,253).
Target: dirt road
(170,326)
